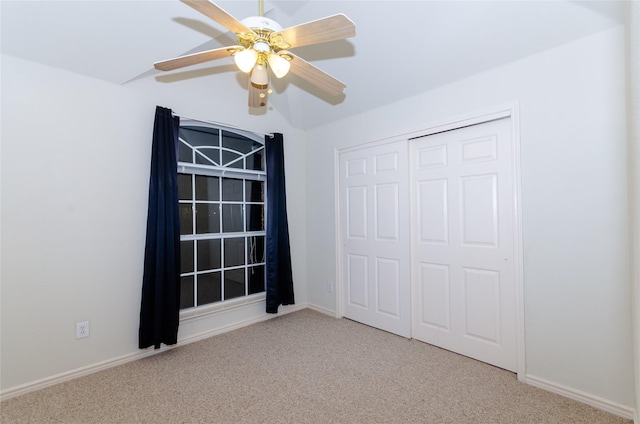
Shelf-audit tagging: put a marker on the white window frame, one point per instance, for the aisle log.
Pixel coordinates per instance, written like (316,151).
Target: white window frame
(218,170)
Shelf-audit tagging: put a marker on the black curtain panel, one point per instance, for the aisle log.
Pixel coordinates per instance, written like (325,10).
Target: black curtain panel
(160,309)
(278,252)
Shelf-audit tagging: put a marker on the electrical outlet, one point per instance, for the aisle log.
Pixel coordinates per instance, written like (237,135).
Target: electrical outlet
(82,330)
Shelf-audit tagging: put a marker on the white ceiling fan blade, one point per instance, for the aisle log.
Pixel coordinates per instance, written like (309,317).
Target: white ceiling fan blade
(331,28)
(254,95)
(316,76)
(212,11)
(193,59)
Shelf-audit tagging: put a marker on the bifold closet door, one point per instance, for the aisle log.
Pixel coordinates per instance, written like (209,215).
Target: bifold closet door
(374,205)
(463,217)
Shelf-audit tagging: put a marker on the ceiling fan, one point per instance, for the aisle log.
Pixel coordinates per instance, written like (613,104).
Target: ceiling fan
(262,44)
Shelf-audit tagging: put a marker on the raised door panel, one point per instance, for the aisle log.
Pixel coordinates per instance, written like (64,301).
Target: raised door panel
(357,281)
(433,295)
(356,205)
(482,310)
(388,286)
(433,216)
(386,212)
(479,210)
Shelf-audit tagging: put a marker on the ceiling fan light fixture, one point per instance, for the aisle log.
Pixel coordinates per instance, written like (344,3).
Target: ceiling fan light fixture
(259,75)
(279,65)
(246,59)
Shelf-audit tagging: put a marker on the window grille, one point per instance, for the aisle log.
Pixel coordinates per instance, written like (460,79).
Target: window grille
(221,190)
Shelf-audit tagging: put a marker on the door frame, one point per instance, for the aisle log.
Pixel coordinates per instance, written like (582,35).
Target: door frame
(509,110)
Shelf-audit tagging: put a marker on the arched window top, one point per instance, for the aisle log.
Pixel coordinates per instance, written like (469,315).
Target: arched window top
(219,149)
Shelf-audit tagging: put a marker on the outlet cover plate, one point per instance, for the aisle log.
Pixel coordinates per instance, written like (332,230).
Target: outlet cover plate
(82,329)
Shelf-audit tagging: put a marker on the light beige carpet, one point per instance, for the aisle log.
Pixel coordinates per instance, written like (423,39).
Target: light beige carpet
(304,367)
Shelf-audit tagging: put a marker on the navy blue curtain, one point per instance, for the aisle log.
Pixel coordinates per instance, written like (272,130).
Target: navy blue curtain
(160,308)
(278,252)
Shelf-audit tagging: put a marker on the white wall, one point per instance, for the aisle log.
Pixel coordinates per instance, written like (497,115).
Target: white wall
(634,175)
(74,185)
(574,200)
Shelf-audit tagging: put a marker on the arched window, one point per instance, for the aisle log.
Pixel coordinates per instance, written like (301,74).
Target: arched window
(221,189)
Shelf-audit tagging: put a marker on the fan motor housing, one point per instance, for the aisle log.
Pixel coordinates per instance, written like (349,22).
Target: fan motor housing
(261,23)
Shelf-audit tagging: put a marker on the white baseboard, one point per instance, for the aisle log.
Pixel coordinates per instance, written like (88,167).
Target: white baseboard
(582,397)
(322,310)
(134,356)
(77,373)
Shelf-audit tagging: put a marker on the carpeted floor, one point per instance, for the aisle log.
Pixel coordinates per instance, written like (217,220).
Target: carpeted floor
(304,367)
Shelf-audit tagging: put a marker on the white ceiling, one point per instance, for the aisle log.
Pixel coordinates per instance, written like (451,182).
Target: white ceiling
(401,48)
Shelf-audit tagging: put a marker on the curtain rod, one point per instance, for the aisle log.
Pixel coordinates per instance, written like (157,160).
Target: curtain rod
(224,126)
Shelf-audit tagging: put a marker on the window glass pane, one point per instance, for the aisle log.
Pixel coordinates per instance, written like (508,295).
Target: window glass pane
(199,136)
(239,142)
(203,159)
(232,218)
(255,162)
(229,160)
(186,218)
(256,279)
(207,218)
(234,283)
(254,191)
(255,249)
(186,256)
(234,251)
(184,187)
(208,155)
(185,154)
(207,188)
(186,292)
(255,217)
(208,254)
(209,288)
(231,190)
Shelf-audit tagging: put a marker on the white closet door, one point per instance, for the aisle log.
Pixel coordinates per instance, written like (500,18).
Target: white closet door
(375,237)
(463,215)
